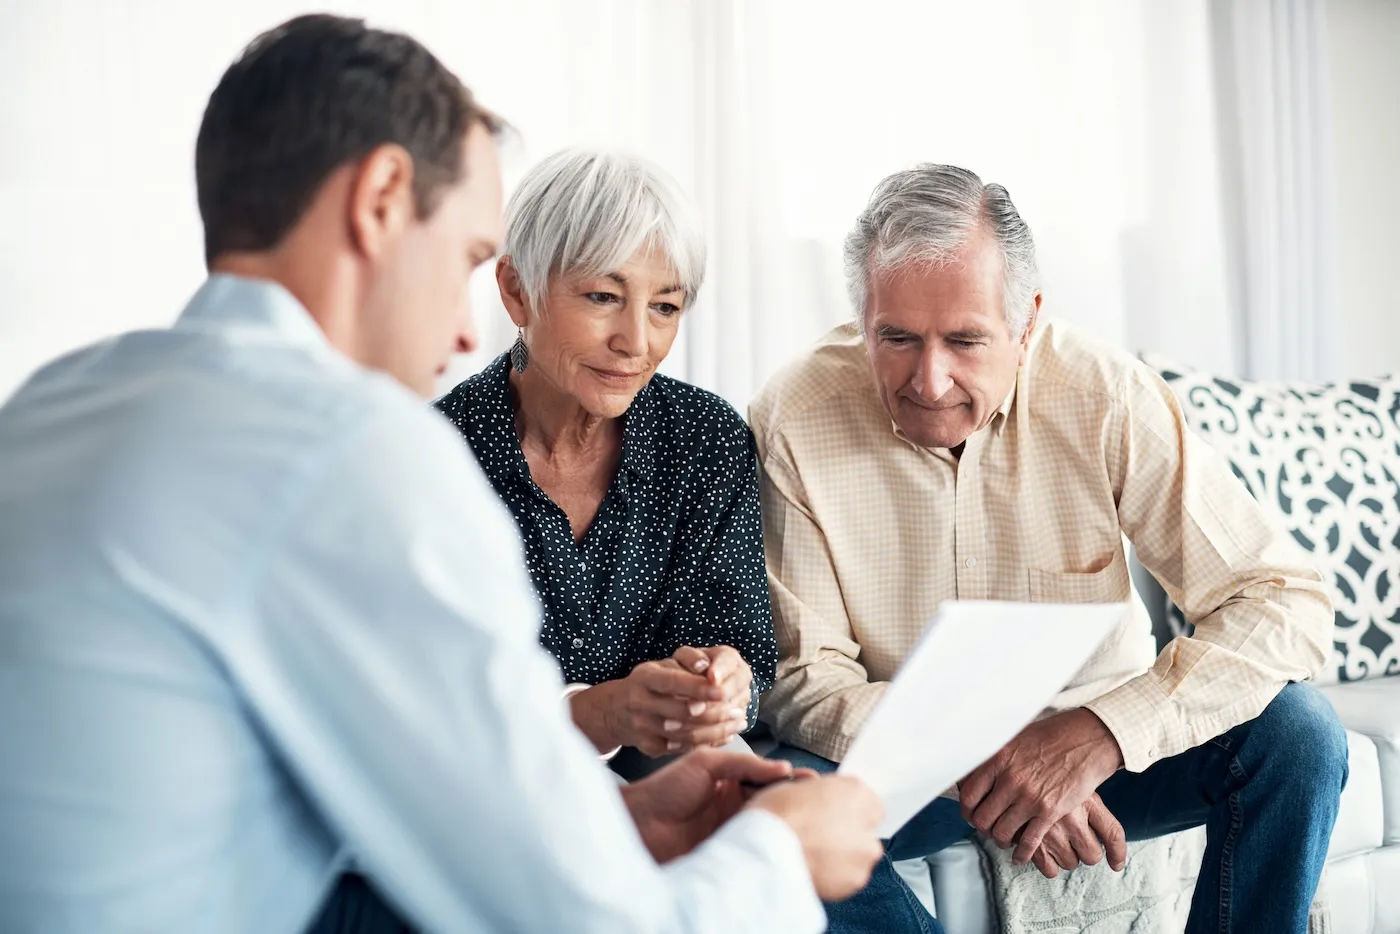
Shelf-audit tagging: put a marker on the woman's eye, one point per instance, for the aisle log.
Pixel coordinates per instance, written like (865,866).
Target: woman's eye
(667,309)
(600,298)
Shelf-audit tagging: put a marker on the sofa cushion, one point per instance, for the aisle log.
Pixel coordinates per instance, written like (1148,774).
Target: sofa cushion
(1373,708)
(960,891)
(1361,815)
(1350,896)
(1384,866)
(1325,459)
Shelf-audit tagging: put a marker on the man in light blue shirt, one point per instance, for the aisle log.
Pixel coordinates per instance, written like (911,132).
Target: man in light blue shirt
(268,651)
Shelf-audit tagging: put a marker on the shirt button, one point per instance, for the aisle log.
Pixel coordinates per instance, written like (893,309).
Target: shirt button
(578,643)
(584,565)
(971,562)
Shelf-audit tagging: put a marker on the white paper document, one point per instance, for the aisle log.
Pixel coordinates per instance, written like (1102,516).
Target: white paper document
(981,671)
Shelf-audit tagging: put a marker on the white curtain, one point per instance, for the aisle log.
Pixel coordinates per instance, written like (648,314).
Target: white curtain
(778,115)
(1272,80)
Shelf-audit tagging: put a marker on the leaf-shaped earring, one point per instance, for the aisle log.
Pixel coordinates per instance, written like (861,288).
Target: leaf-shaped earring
(519,353)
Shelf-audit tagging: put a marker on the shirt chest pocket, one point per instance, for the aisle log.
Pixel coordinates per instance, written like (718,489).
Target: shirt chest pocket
(1109,584)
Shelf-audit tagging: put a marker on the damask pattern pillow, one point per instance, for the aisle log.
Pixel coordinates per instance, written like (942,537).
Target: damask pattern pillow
(1327,459)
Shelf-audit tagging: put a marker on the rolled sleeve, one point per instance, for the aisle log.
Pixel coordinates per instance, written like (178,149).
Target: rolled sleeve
(1261,613)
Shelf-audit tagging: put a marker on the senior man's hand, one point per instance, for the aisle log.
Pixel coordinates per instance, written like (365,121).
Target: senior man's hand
(1083,836)
(1050,769)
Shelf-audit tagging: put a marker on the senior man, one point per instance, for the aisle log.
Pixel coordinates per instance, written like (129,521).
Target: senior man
(950,444)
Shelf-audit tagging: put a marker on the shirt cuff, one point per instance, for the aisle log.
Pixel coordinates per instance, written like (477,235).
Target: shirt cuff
(788,896)
(1143,720)
(569,691)
(830,727)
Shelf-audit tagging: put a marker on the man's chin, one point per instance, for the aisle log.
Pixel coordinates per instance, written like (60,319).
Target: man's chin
(935,436)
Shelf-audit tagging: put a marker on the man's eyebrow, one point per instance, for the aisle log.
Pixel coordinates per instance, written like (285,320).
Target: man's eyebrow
(889,330)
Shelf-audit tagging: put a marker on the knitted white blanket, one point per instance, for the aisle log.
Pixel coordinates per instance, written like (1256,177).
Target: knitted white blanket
(1151,896)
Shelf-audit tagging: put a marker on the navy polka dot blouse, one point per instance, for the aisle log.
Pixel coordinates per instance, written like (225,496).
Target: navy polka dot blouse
(675,555)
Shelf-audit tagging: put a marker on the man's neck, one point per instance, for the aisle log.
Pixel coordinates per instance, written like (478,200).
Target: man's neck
(322,299)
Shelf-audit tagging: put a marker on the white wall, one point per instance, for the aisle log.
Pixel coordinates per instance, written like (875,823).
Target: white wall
(100,103)
(1098,117)
(1364,43)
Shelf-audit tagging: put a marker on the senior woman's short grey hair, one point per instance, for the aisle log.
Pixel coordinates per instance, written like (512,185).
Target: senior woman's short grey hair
(924,216)
(589,212)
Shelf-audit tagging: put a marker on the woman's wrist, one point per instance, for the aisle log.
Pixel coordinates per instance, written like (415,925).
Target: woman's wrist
(589,705)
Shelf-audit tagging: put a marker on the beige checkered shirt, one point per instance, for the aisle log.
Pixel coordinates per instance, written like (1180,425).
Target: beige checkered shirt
(866,534)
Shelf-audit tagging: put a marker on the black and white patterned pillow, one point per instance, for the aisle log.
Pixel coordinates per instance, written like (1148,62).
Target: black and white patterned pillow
(1327,459)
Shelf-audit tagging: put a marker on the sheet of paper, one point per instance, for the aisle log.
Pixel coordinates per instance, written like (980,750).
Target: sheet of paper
(981,671)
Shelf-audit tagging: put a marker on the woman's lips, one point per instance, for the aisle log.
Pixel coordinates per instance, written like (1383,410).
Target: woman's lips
(615,376)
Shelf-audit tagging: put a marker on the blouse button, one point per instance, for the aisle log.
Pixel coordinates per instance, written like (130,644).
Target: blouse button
(578,643)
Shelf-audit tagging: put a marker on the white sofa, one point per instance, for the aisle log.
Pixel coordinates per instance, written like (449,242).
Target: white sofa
(1327,459)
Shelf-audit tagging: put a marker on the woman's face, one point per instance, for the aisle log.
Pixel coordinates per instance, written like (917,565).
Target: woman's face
(599,339)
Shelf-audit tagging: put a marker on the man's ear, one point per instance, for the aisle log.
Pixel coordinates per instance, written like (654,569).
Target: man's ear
(512,292)
(381,198)
(1030,329)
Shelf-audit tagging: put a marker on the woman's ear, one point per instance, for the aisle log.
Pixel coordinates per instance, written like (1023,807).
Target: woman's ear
(512,292)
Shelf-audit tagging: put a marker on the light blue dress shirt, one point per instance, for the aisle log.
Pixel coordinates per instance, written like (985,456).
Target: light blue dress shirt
(261,615)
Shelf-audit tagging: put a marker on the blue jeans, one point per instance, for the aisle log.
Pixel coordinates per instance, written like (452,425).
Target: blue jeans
(1266,791)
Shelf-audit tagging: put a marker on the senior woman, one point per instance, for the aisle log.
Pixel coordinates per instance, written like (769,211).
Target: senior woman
(636,494)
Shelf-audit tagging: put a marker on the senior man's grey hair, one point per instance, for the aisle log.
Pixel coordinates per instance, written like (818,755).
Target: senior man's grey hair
(924,216)
(590,211)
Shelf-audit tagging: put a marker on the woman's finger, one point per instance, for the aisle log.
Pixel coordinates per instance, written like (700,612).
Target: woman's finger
(725,662)
(660,706)
(691,659)
(670,679)
(691,714)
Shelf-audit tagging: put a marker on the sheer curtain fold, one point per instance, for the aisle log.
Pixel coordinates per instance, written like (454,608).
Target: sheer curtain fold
(737,328)
(1275,130)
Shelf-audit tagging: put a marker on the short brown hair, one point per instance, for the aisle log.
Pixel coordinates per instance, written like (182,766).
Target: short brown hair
(309,96)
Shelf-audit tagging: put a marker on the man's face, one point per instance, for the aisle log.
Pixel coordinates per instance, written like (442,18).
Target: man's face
(419,297)
(942,353)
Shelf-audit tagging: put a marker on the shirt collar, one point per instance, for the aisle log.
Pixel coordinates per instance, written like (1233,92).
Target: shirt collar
(1004,410)
(493,408)
(639,433)
(226,299)
(494,412)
